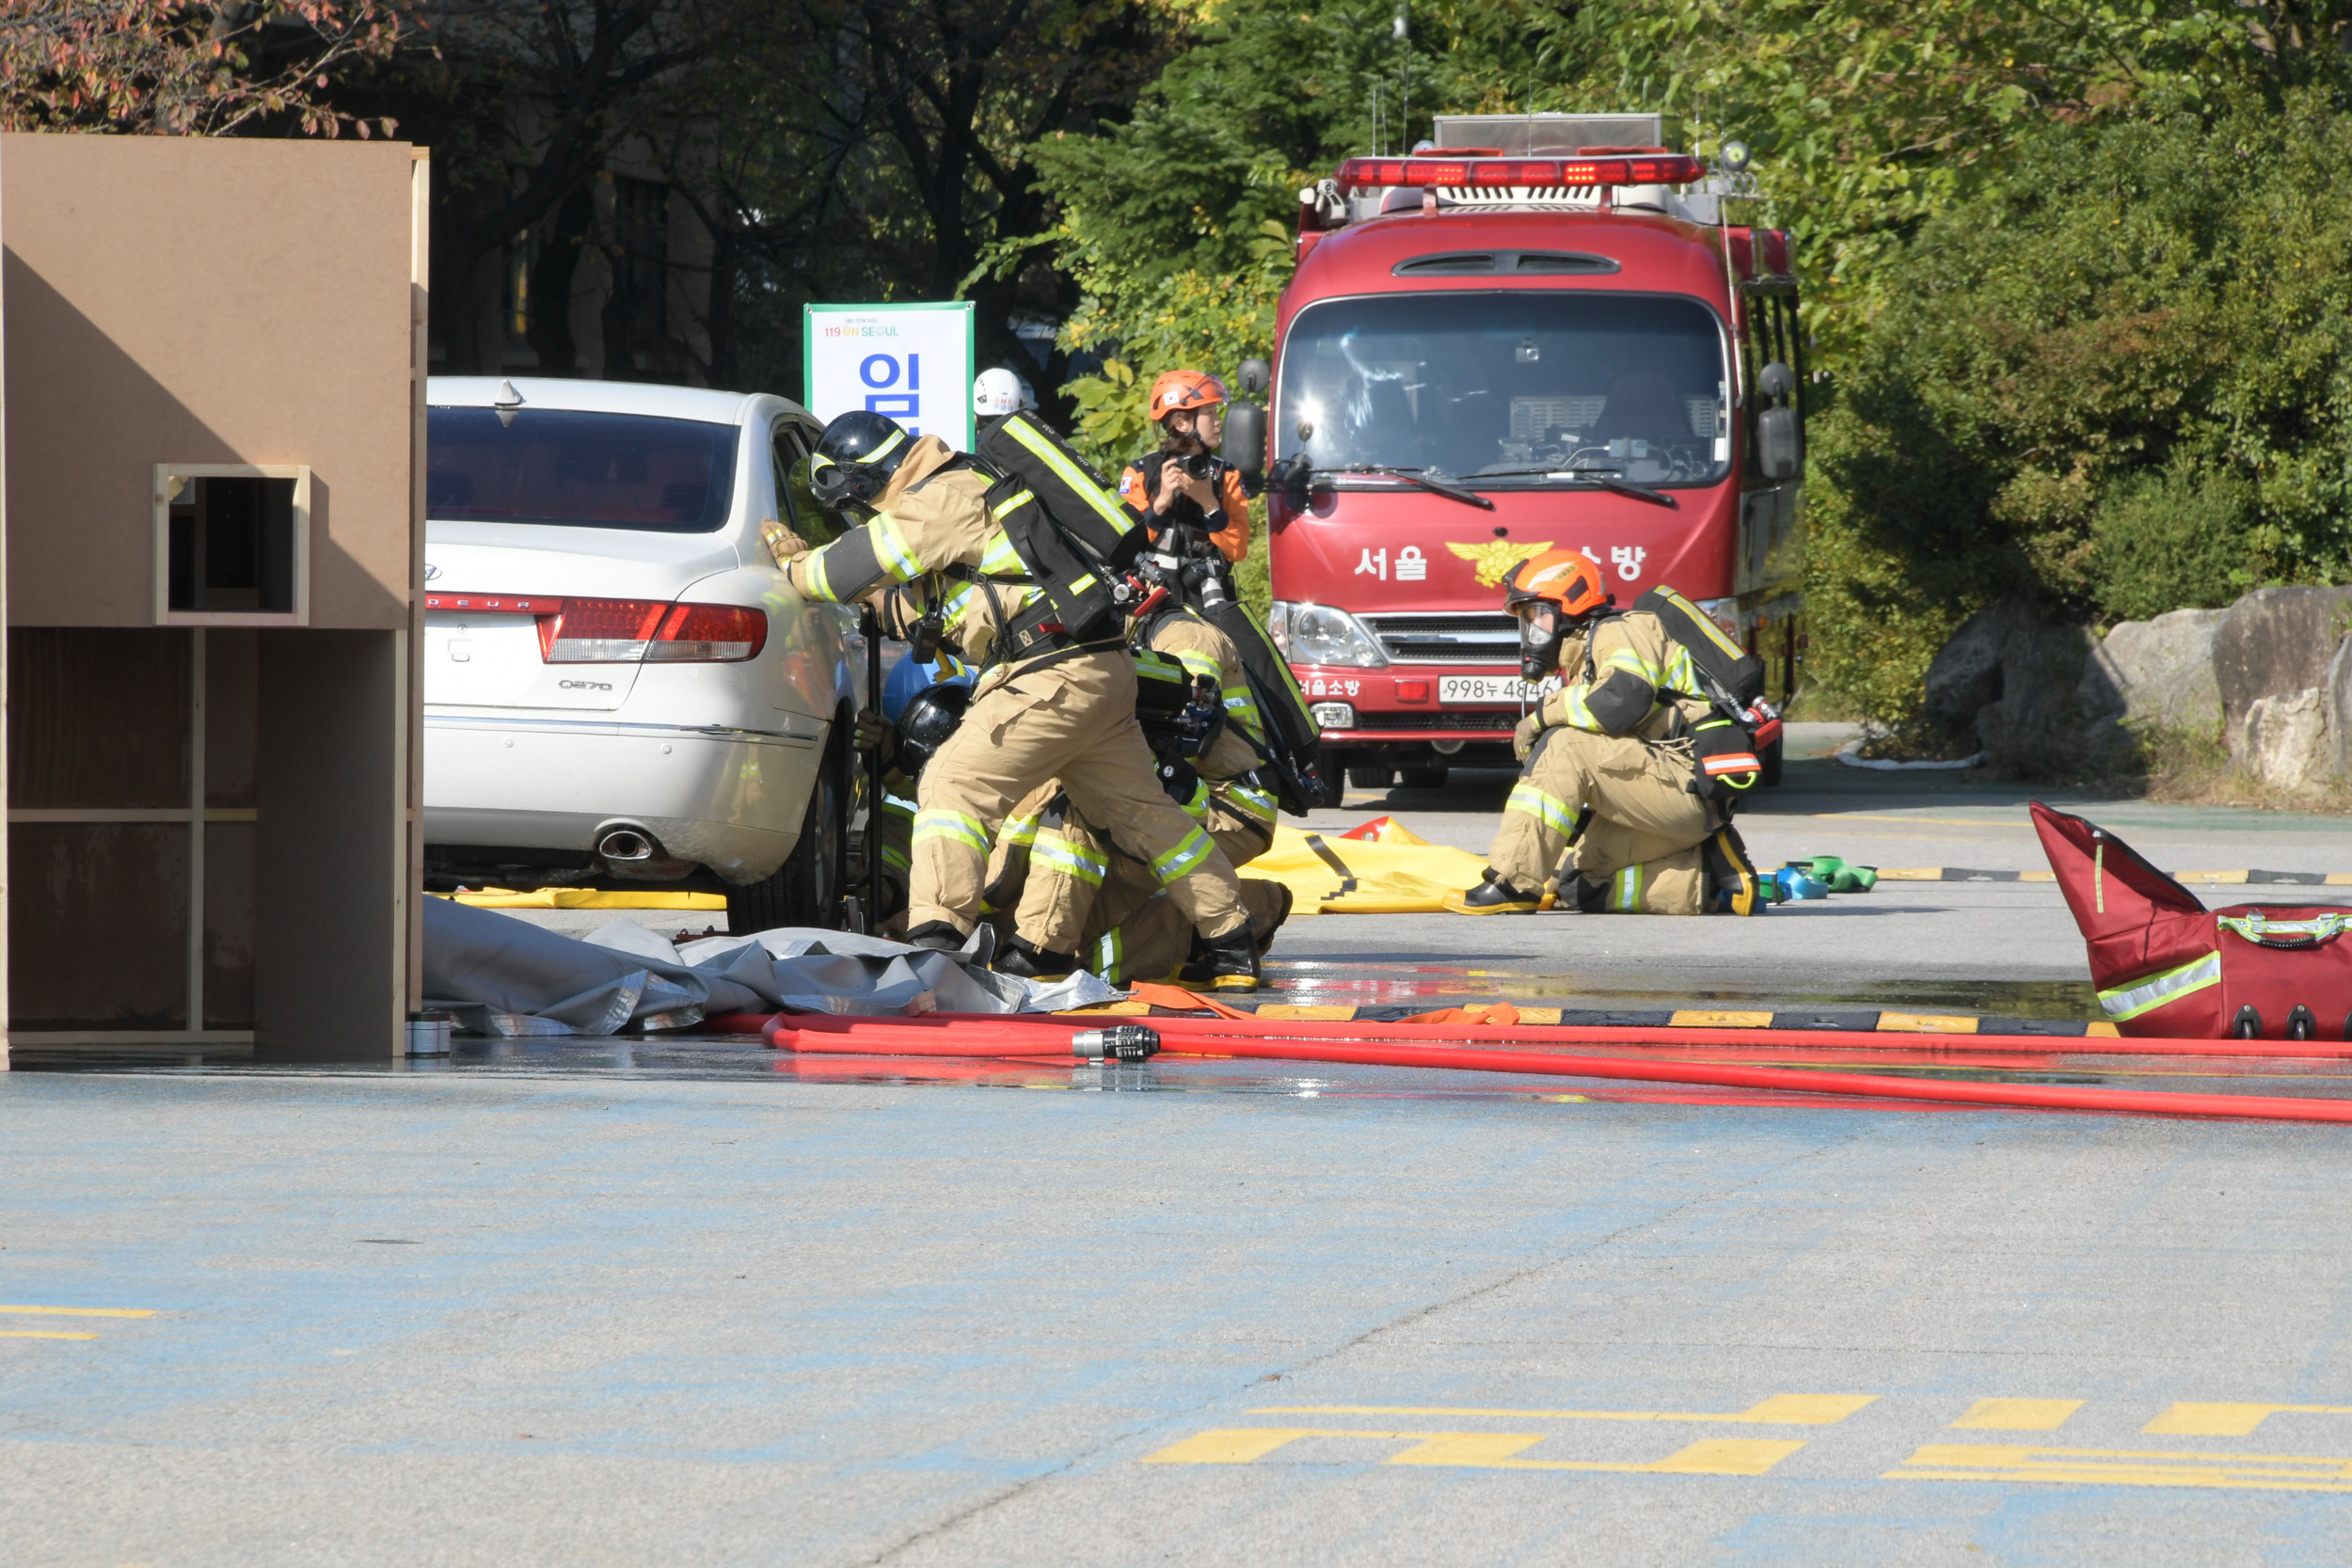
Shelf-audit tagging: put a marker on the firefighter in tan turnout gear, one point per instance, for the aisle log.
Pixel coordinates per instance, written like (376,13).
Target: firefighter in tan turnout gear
(1078,902)
(1633,760)
(955,550)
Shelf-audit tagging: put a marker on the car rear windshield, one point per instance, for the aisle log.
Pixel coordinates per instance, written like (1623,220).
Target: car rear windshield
(570,469)
(1510,388)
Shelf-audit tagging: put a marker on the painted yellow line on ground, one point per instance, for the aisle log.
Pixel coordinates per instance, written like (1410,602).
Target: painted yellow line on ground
(1800,1410)
(1284,1009)
(41,1334)
(87,1311)
(2019,1415)
(2209,876)
(2252,1472)
(1480,1450)
(2229,1421)
(1699,1018)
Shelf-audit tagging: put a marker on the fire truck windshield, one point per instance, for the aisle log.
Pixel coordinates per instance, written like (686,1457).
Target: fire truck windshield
(1509,390)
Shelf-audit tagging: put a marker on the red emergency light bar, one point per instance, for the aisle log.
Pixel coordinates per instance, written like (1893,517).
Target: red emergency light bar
(1360,174)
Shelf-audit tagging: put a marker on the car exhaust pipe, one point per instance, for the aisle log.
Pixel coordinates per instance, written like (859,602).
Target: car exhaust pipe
(626,846)
(636,855)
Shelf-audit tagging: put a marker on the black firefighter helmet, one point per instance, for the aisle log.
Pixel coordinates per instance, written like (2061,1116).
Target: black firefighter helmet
(929,719)
(856,458)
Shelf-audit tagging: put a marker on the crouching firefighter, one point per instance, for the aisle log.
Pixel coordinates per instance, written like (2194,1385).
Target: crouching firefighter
(1635,760)
(1012,552)
(1199,717)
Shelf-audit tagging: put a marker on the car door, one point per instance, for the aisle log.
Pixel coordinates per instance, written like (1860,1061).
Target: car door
(823,658)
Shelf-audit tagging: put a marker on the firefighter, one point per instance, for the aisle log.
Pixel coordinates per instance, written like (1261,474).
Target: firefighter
(1074,888)
(1046,704)
(1610,764)
(1184,484)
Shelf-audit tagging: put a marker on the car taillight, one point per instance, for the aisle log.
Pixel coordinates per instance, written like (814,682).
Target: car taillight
(708,633)
(633,631)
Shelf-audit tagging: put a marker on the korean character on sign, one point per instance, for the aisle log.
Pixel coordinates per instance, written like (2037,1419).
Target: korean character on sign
(1412,565)
(1375,563)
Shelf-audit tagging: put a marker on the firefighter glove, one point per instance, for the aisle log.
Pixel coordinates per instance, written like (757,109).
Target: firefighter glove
(1523,739)
(782,543)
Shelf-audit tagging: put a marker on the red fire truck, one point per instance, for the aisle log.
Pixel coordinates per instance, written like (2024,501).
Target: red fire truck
(1542,333)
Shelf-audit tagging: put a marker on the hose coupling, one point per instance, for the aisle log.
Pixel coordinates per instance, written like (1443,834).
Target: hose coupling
(1122,1042)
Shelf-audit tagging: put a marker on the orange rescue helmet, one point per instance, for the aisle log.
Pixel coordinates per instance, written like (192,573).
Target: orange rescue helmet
(1569,579)
(1177,390)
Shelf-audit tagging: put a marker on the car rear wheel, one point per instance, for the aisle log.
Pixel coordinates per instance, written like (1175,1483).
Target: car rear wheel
(1371,778)
(1426,778)
(806,888)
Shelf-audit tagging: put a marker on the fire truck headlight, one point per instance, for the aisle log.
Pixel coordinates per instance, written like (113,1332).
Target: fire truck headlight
(1319,634)
(1335,716)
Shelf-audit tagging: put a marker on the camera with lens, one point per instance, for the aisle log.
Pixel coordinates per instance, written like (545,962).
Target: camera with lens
(1199,465)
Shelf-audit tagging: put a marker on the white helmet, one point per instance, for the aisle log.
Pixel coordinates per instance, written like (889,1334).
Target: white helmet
(999,391)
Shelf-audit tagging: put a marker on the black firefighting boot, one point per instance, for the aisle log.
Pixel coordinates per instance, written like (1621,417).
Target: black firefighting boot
(1730,874)
(1592,898)
(1026,960)
(1230,960)
(1493,896)
(942,937)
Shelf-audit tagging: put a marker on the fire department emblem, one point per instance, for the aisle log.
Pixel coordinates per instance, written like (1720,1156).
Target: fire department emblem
(1490,561)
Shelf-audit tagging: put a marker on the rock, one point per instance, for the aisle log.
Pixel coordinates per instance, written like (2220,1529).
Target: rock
(2285,742)
(2008,678)
(2275,642)
(2340,709)
(1967,673)
(2156,673)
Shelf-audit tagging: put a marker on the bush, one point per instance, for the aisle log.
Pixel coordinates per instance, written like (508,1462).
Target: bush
(2184,539)
(2118,383)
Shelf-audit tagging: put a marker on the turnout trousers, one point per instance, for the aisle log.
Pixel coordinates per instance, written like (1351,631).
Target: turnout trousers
(1079,885)
(1072,720)
(1642,844)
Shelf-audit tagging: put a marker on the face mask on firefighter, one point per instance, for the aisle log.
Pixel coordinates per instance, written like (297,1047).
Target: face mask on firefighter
(1541,628)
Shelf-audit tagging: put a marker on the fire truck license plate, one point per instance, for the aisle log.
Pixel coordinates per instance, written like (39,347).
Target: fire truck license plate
(1469,690)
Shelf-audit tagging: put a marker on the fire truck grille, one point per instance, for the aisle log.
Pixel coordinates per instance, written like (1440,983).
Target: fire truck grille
(1447,639)
(1456,719)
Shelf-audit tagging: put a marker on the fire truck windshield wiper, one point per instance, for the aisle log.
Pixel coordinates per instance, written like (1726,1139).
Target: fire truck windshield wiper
(1604,478)
(1414,476)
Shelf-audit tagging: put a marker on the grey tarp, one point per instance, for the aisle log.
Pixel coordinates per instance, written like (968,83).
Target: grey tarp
(501,975)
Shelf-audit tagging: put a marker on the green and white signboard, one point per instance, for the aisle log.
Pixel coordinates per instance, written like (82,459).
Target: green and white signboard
(913,362)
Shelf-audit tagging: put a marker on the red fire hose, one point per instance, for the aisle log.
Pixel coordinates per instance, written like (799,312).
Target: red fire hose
(1003,1036)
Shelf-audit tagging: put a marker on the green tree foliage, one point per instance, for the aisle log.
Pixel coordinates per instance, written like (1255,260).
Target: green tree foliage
(2119,382)
(1177,225)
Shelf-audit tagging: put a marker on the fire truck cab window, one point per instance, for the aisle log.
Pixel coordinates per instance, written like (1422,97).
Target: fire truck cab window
(1511,389)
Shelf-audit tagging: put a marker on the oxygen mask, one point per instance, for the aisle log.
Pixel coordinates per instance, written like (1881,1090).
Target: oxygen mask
(1542,629)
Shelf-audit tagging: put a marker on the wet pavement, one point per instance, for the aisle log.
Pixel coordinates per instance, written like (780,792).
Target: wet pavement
(690,1300)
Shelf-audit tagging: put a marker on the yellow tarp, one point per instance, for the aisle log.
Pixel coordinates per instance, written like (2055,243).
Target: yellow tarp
(587,898)
(1393,872)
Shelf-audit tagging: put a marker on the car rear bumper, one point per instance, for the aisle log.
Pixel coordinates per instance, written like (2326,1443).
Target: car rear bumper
(729,800)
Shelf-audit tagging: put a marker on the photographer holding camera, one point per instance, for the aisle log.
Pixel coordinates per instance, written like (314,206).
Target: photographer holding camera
(1184,484)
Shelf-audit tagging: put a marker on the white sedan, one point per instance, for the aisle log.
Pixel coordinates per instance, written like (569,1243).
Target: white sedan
(619,688)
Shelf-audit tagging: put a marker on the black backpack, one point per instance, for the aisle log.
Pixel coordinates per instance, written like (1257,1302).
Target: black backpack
(1076,540)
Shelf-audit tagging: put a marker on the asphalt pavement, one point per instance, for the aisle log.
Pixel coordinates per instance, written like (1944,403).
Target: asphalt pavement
(696,1302)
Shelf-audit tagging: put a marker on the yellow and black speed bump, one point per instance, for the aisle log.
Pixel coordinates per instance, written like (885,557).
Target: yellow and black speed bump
(2230,879)
(1854,1020)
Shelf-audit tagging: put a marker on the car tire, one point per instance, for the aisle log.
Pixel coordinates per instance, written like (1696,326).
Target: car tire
(806,888)
(1371,778)
(1426,778)
(1771,759)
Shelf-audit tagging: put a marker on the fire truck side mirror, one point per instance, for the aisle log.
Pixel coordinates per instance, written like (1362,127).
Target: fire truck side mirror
(1776,381)
(1254,377)
(1244,446)
(1779,446)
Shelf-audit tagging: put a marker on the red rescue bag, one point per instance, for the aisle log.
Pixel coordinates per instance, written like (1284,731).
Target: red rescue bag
(2166,965)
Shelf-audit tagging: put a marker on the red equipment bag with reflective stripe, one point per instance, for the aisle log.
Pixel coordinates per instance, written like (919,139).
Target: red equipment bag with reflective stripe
(2166,965)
